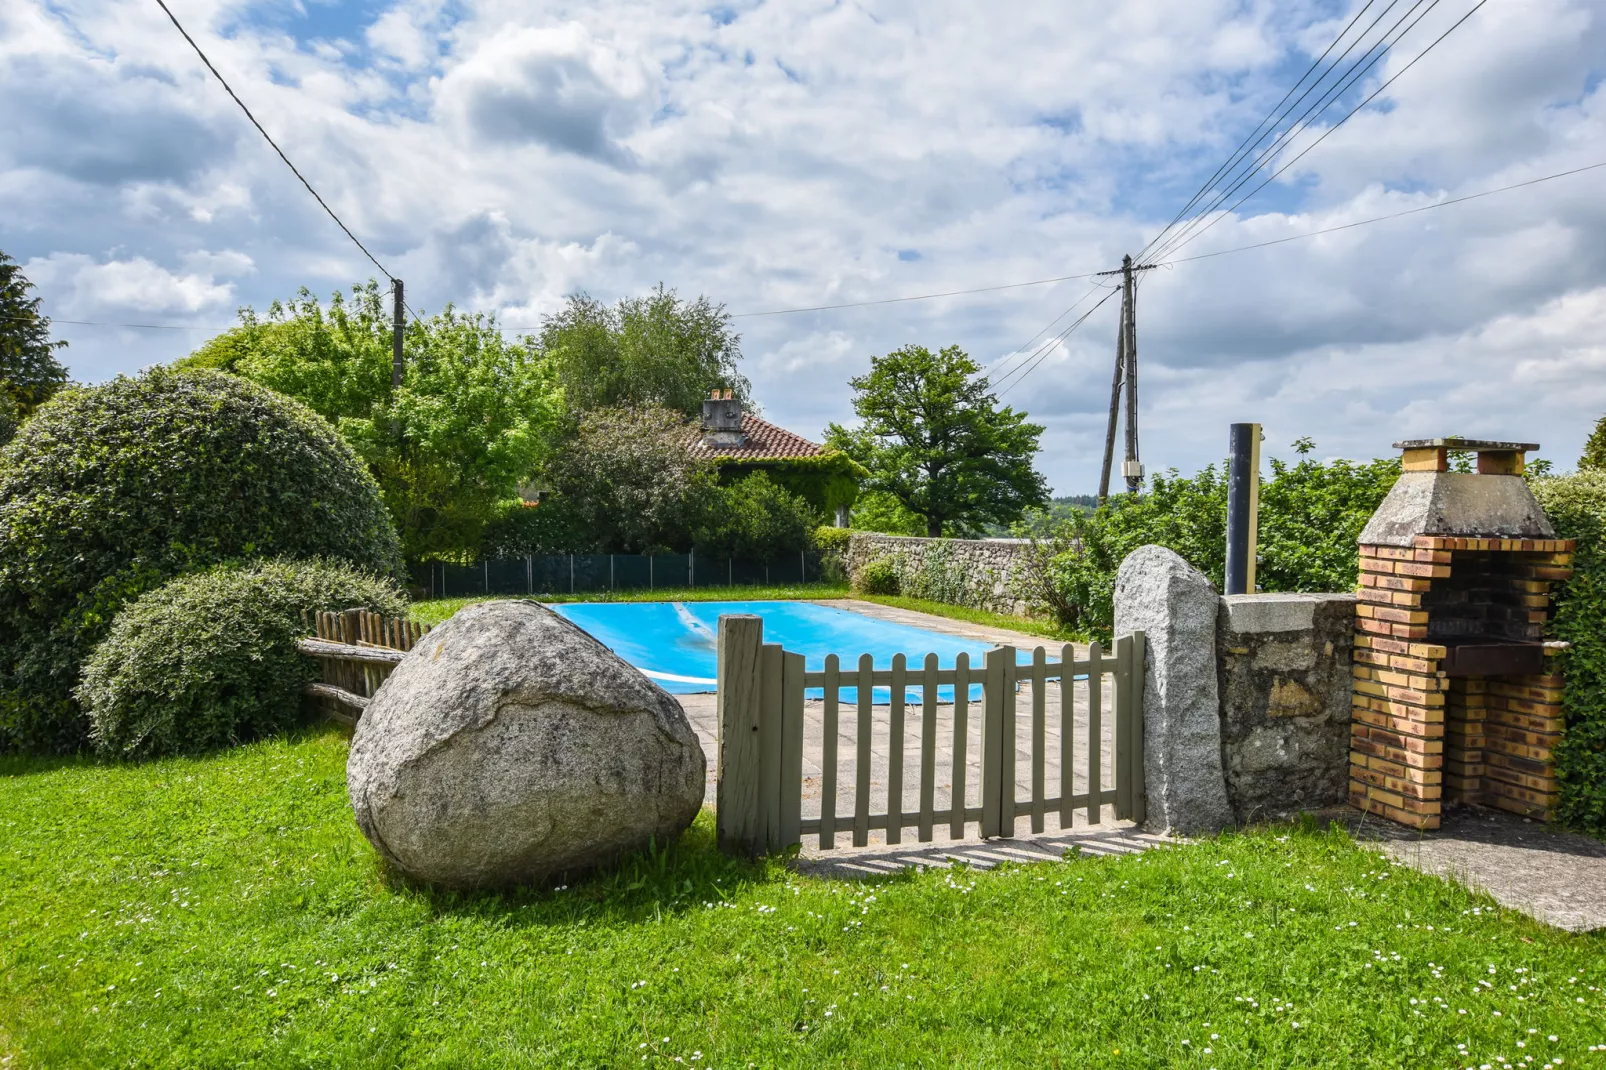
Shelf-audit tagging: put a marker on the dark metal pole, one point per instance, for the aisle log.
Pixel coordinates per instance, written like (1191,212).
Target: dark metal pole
(1243,499)
(1132,468)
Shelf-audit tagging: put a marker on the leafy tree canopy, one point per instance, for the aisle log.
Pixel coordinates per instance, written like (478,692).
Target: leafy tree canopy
(1595,448)
(626,483)
(475,416)
(934,438)
(29,370)
(656,350)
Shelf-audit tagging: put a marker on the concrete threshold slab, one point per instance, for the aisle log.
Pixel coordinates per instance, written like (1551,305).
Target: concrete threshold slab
(1554,876)
(880,859)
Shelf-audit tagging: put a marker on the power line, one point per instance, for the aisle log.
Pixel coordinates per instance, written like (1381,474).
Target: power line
(1175,245)
(1346,79)
(897,300)
(227,88)
(1165,263)
(1255,136)
(1022,371)
(1326,97)
(1382,218)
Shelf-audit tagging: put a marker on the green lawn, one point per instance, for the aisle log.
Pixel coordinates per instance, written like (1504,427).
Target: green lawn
(226,912)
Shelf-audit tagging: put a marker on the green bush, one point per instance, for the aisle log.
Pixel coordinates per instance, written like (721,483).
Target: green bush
(519,529)
(832,540)
(109,491)
(756,519)
(879,575)
(209,659)
(1576,505)
(9,419)
(1310,516)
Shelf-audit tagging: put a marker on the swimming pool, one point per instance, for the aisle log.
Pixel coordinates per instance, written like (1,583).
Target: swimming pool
(674,643)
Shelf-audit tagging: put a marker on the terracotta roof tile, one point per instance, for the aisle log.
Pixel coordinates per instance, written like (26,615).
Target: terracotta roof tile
(765,442)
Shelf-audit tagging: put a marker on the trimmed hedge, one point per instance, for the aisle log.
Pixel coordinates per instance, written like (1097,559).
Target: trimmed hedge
(1576,505)
(109,491)
(209,659)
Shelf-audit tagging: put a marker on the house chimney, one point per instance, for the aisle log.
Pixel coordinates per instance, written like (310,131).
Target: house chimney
(722,420)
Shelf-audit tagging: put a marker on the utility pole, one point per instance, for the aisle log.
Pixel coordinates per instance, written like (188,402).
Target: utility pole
(399,324)
(1131,468)
(1115,410)
(1126,377)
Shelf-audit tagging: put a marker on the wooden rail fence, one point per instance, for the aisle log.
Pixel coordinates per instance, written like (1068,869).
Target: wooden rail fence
(356,650)
(761,748)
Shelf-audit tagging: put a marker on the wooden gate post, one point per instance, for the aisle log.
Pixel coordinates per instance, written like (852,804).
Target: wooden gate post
(993,746)
(738,818)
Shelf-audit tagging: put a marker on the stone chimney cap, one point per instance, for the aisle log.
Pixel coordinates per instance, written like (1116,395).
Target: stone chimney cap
(1472,445)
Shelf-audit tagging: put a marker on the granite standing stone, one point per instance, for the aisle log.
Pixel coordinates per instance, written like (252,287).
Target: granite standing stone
(1160,594)
(510,747)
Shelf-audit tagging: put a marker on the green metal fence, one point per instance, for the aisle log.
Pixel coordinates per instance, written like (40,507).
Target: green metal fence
(764,721)
(591,573)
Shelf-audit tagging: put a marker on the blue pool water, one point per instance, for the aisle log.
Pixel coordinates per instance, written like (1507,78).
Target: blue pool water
(673,643)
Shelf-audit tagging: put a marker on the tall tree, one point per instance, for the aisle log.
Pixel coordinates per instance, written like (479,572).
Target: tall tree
(656,350)
(935,439)
(1595,447)
(29,370)
(475,415)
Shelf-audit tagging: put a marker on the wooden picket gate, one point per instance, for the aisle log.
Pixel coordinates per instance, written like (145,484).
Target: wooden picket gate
(761,712)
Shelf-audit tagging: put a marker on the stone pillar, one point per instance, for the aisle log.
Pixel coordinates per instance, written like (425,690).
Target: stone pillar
(1156,591)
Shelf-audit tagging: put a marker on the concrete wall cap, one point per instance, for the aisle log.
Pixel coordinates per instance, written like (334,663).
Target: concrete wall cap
(1276,612)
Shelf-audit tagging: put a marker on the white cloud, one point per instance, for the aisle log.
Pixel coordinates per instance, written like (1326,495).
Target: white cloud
(501,153)
(86,287)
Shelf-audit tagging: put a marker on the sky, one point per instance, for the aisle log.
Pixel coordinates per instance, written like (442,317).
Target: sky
(501,154)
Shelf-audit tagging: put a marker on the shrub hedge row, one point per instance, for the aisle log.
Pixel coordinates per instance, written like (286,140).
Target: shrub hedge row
(1576,505)
(108,491)
(209,659)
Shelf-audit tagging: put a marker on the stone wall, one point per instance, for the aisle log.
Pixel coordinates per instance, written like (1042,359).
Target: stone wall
(984,574)
(1284,677)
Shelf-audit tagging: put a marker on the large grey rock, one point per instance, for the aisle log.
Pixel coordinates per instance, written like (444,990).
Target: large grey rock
(1160,594)
(510,747)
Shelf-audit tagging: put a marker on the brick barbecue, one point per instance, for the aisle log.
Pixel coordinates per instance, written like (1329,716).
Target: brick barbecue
(1456,699)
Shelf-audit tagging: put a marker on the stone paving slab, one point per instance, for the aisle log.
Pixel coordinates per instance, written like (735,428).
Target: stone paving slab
(1555,876)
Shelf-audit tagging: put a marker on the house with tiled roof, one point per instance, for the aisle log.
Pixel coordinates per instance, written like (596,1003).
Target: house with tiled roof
(740,443)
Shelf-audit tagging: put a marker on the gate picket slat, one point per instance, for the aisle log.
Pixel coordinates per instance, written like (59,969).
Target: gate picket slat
(1039,744)
(928,747)
(770,726)
(1008,736)
(1095,731)
(791,749)
(828,755)
(1123,728)
(895,751)
(861,772)
(956,823)
(1067,733)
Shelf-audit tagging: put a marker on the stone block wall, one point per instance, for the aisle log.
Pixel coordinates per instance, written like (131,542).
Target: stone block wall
(1284,675)
(987,574)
